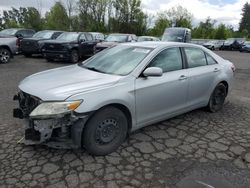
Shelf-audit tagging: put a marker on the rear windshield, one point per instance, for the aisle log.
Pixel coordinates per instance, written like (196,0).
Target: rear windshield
(174,35)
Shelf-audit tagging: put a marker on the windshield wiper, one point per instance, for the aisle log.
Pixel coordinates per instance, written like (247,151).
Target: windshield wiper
(93,69)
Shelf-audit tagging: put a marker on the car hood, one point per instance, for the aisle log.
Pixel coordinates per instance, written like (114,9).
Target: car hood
(61,83)
(107,44)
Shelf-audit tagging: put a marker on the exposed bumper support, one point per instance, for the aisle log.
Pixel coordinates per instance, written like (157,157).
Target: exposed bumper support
(62,133)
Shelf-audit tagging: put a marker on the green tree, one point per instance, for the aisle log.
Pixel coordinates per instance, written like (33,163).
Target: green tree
(32,19)
(245,20)
(204,30)
(161,24)
(23,17)
(57,18)
(222,32)
(179,17)
(128,17)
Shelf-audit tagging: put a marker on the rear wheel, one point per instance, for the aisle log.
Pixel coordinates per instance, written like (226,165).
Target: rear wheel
(217,98)
(4,55)
(74,56)
(105,131)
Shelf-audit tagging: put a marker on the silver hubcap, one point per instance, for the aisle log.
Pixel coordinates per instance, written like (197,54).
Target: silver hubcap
(4,56)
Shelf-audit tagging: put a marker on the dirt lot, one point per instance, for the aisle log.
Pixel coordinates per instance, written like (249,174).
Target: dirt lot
(198,147)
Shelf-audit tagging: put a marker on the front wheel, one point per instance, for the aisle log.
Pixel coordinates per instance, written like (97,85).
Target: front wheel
(217,98)
(105,131)
(4,55)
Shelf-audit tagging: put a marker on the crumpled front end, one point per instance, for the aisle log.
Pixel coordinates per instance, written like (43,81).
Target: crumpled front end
(56,131)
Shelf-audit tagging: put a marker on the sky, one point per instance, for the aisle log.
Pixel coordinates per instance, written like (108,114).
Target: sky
(224,11)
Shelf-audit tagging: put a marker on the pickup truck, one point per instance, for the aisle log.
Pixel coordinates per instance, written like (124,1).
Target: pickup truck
(69,46)
(10,42)
(34,45)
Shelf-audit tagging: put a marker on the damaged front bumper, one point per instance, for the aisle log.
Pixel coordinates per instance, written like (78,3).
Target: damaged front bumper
(58,131)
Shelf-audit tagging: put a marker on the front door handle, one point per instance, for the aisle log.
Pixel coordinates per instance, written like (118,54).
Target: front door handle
(216,70)
(182,77)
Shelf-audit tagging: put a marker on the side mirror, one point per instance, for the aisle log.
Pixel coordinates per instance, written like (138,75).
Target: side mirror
(82,40)
(153,71)
(19,35)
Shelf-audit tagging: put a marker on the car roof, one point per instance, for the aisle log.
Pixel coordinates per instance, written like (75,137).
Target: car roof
(160,44)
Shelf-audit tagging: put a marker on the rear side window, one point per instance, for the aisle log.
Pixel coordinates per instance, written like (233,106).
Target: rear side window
(195,57)
(210,60)
(168,60)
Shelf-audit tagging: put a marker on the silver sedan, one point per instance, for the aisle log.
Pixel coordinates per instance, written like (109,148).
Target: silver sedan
(96,103)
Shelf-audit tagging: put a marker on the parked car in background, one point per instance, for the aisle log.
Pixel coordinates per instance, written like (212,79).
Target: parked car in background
(69,46)
(17,32)
(99,37)
(213,44)
(147,38)
(245,47)
(177,34)
(96,103)
(10,42)
(233,44)
(114,39)
(33,45)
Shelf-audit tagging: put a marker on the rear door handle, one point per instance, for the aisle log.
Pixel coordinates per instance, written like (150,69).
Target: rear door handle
(216,70)
(182,77)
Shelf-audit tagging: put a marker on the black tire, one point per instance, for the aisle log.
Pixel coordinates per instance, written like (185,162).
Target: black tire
(213,48)
(74,56)
(105,131)
(27,55)
(217,98)
(5,55)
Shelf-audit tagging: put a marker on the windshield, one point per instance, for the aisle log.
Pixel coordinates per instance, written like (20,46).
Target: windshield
(173,35)
(68,36)
(9,31)
(119,60)
(116,38)
(43,34)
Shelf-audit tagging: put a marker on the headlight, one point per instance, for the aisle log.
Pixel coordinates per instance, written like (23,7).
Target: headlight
(55,108)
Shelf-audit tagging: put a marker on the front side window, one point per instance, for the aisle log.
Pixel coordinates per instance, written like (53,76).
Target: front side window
(119,60)
(195,57)
(168,60)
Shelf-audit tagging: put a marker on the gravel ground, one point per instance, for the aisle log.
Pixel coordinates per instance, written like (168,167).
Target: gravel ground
(190,150)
